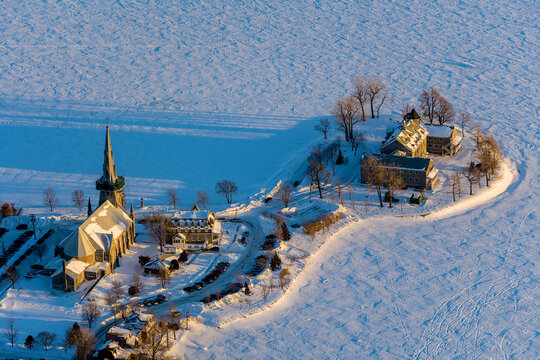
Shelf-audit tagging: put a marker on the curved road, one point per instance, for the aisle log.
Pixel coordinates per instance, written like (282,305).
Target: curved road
(242,265)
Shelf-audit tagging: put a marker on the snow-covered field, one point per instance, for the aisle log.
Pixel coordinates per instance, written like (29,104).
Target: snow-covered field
(196,92)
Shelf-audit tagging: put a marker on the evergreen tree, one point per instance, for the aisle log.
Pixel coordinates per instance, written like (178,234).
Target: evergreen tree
(183,256)
(247,291)
(29,342)
(285,233)
(275,263)
(340,160)
(89,207)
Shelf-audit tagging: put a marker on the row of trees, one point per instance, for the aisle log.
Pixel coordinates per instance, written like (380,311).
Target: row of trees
(351,109)
(226,188)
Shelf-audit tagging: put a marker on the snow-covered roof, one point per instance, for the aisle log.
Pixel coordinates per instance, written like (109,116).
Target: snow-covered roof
(156,264)
(193,215)
(442,131)
(97,232)
(107,219)
(119,331)
(410,134)
(73,268)
(402,162)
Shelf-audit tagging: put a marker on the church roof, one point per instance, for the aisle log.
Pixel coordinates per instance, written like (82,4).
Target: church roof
(97,232)
(78,244)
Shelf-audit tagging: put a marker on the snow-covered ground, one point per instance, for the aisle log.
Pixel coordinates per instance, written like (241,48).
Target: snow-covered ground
(180,82)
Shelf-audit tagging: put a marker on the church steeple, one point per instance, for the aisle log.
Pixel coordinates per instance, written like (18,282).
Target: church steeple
(109,169)
(110,186)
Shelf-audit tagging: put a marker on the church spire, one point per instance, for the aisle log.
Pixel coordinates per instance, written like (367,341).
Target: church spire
(109,169)
(110,186)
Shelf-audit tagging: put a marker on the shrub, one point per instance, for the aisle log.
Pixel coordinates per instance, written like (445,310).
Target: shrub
(275,263)
(183,256)
(133,290)
(322,223)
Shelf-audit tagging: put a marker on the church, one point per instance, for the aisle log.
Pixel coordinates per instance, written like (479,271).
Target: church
(94,248)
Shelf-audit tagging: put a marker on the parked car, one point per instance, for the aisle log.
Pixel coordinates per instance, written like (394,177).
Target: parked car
(161,298)
(198,285)
(189,289)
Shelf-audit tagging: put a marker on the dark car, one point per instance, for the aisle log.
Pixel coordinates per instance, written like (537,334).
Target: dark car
(37,267)
(161,298)
(198,285)
(189,289)
(148,302)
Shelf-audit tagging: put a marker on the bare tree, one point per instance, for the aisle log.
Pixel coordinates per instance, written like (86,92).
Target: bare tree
(471,174)
(85,344)
(12,333)
(172,195)
(323,126)
(375,174)
(330,154)
(137,283)
(152,344)
(340,187)
(429,101)
(78,198)
(284,194)
(49,198)
(445,111)
(158,225)
(90,312)
(406,109)
(12,275)
(45,338)
(490,157)
(319,175)
(172,315)
(345,112)
(392,182)
(357,139)
(464,120)
(226,188)
(265,291)
(384,97)
(455,184)
(374,88)
(203,198)
(361,92)
(83,339)
(110,300)
(117,289)
(164,278)
(284,275)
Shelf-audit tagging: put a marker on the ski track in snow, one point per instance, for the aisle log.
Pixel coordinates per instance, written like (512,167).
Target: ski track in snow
(464,286)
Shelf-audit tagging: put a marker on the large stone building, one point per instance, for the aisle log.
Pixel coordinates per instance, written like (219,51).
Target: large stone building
(93,249)
(196,229)
(407,139)
(418,173)
(443,140)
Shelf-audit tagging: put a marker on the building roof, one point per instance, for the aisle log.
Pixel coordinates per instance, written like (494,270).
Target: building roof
(193,215)
(73,268)
(97,232)
(402,162)
(442,131)
(410,134)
